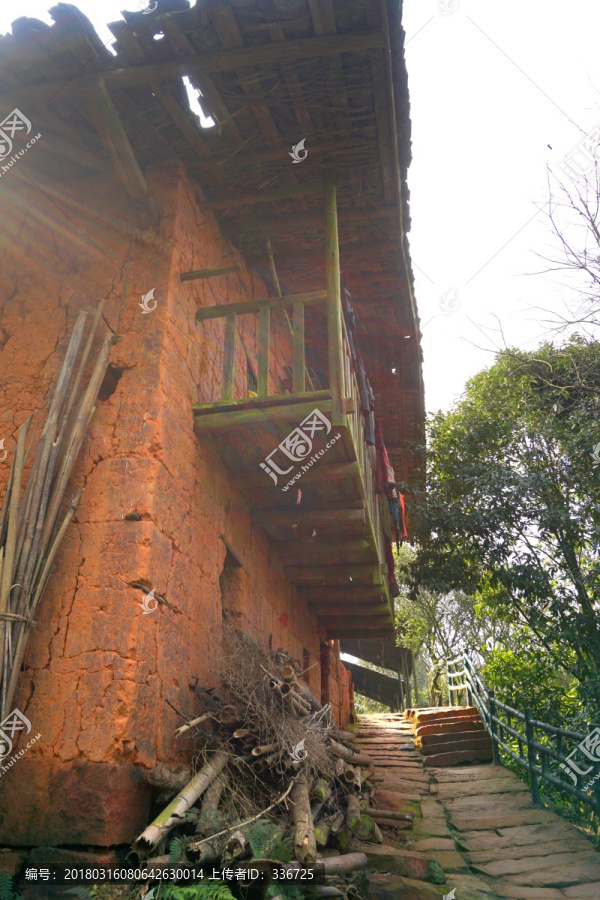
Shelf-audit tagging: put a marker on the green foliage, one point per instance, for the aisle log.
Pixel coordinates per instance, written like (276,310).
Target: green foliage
(177,847)
(267,842)
(512,513)
(284,889)
(6,888)
(205,890)
(527,677)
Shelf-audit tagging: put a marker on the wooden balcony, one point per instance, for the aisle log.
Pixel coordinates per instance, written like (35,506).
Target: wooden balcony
(300,459)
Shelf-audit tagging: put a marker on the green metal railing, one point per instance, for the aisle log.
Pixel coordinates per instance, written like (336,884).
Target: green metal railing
(540,747)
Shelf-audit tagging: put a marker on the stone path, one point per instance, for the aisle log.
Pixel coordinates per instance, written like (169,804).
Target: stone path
(475,830)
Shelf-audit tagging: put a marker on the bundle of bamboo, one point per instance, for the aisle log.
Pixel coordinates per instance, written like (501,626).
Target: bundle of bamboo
(31,530)
(251,765)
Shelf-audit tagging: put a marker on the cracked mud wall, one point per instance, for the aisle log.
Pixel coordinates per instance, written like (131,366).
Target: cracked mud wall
(157,507)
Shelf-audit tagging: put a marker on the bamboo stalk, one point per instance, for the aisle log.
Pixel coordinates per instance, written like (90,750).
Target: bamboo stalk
(23,631)
(6,500)
(350,756)
(74,442)
(44,471)
(11,538)
(173,814)
(305,844)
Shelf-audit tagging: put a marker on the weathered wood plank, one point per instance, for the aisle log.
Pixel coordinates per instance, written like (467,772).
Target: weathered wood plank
(334,574)
(218,312)
(224,421)
(264,403)
(315,517)
(264,333)
(207,273)
(229,357)
(334,304)
(298,364)
(105,119)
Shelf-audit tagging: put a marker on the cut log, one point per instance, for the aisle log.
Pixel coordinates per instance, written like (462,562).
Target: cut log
(176,810)
(360,759)
(353,813)
(305,845)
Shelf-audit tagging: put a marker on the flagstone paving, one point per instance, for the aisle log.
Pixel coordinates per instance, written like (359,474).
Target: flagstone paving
(475,830)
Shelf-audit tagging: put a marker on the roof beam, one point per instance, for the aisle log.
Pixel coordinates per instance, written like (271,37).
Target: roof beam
(277,518)
(223,61)
(224,22)
(105,119)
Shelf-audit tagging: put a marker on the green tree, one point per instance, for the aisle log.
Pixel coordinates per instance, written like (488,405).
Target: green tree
(511,513)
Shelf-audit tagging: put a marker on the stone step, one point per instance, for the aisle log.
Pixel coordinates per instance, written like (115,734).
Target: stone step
(447,741)
(454,758)
(462,724)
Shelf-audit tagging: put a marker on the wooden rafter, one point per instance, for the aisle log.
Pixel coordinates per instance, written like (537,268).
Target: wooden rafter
(224,22)
(222,61)
(105,118)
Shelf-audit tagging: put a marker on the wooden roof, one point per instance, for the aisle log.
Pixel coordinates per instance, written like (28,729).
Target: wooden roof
(271,73)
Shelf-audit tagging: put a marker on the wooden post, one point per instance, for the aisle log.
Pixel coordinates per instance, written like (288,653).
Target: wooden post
(450,693)
(228,357)
(531,758)
(494,727)
(264,330)
(334,305)
(298,349)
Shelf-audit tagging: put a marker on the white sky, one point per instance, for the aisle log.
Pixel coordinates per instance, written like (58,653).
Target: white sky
(491,85)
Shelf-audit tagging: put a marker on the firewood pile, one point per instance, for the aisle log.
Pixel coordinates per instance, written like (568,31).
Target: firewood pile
(277,783)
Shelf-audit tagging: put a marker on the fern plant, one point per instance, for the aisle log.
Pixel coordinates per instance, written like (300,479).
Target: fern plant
(209,890)
(6,888)
(267,842)
(284,889)
(176,850)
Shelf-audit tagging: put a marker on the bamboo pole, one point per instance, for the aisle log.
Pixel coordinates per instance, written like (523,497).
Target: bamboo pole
(25,625)
(73,444)
(360,759)
(11,538)
(44,471)
(305,844)
(177,808)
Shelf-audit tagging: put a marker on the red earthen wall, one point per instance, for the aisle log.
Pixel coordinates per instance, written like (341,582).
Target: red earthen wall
(98,672)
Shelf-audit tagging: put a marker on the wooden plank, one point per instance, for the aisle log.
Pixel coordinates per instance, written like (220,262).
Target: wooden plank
(352,630)
(323,610)
(349,593)
(391,186)
(264,334)
(317,397)
(217,312)
(289,192)
(278,518)
(214,63)
(225,421)
(334,305)
(298,349)
(217,108)
(333,574)
(229,357)
(294,87)
(207,273)
(319,546)
(224,22)
(105,119)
